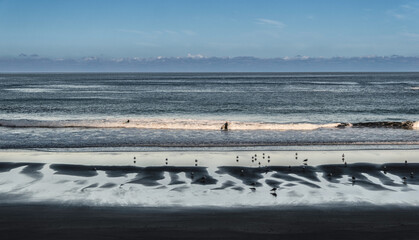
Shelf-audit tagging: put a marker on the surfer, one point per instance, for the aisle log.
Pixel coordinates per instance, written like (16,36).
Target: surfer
(225,126)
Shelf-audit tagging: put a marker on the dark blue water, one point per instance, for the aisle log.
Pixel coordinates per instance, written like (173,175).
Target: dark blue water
(187,109)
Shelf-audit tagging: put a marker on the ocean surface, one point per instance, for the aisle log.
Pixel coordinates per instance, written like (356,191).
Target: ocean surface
(132,111)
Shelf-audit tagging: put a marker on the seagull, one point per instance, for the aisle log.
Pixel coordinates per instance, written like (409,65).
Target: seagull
(305,160)
(353,178)
(253,189)
(405,162)
(203,179)
(345,164)
(273,189)
(274,194)
(411,174)
(329,174)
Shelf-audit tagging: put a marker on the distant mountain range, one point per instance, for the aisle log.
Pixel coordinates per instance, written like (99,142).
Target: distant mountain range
(198,63)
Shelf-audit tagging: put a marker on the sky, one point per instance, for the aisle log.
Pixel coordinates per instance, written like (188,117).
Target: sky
(196,28)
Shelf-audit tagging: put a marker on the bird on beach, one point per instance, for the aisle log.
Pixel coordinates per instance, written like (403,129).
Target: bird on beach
(411,174)
(203,179)
(305,160)
(253,189)
(404,180)
(345,164)
(329,175)
(405,162)
(274,194)
(241,172)
(353,178)
(273,189)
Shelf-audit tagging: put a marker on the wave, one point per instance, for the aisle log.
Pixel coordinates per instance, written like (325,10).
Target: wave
(194,124)
(175,124)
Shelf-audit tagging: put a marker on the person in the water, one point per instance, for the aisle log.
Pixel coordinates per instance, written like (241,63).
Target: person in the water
(225,126)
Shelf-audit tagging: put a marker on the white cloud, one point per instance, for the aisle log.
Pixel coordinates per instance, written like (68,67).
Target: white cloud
(197,56)
(396,14)
(270,22)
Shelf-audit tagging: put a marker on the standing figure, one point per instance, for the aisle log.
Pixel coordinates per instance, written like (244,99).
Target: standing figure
(225,126)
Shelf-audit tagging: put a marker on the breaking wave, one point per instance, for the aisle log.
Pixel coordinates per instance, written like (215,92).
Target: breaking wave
(194,124)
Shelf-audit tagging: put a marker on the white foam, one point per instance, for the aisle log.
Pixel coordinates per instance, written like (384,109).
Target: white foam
(153,123)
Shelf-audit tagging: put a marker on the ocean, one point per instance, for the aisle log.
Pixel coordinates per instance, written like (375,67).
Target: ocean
(90,111)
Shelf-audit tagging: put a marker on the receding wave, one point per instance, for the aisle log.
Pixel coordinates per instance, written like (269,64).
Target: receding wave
(194,124)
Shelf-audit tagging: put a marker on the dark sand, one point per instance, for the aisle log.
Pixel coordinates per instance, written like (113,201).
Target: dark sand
(321,222)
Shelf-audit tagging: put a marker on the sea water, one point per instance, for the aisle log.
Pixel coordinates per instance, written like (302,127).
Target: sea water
(140,111)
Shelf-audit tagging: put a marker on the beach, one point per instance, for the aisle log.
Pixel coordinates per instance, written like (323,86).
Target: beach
(315,222)
(122,156)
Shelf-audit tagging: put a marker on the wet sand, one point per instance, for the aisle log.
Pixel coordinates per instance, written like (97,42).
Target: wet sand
(320,222)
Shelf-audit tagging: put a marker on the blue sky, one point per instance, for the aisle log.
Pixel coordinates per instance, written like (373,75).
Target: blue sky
(228,28)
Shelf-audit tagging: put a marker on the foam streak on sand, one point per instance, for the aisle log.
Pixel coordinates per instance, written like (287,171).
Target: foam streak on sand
(223,186)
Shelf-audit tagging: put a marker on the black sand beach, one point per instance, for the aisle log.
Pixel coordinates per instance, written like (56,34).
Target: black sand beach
(321,222)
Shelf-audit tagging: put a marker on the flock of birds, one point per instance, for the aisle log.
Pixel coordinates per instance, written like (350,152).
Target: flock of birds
(274,189)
